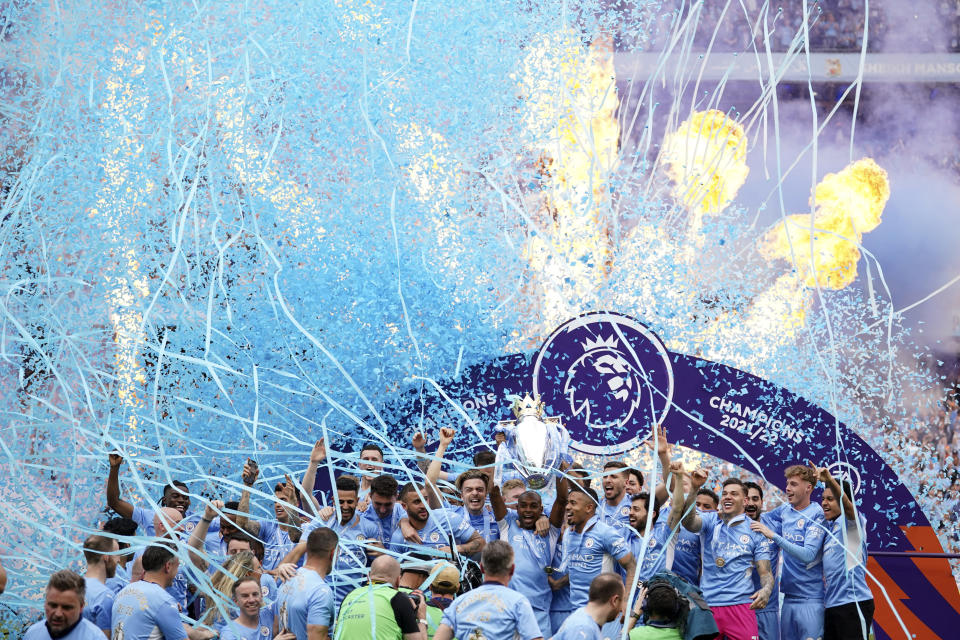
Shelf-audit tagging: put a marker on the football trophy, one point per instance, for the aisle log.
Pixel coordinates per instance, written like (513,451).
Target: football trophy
(533,447)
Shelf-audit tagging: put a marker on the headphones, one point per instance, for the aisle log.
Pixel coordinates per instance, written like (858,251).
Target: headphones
(662,584)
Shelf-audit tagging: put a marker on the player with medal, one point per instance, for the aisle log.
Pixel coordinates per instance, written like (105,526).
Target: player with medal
(533,553)
(732,552)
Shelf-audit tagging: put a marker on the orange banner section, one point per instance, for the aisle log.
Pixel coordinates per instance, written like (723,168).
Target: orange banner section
(893,611)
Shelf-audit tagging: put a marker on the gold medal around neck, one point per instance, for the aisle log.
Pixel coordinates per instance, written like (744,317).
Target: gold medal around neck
(721,562)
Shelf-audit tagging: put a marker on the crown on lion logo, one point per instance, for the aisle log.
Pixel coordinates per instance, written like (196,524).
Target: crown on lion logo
(527,406)
(611,342)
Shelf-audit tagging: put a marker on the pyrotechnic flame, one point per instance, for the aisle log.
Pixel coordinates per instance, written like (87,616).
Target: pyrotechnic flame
(706,158)
(848,204)
(571,253)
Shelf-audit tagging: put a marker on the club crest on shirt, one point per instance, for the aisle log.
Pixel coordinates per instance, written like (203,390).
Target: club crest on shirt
(265,631)
(264,591)
(625,511)
(652,543)
(588,543)
(189,527)
(745,539)
(434,537)
(800,523)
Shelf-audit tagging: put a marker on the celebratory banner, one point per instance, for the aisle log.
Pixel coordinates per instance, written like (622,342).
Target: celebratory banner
(612,380)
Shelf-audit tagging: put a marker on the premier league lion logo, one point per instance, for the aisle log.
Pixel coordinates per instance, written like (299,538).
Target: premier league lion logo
(609,377)
(603,373)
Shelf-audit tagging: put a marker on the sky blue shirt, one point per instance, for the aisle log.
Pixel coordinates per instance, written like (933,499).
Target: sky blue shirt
(386,525)
(263,631)
(561,597)
(120,579)
(738,549)
(686,553)
(653,551)
(350,563)
(304,600)
(86,630)
(844,562)
(531,554)
(98,605)
(774,602)
(435,533)
(144,611)
(578,626)
(803,528)
(587,555)
(686,558)
(178,589)
(617,515)
(276,543)
(484,522)
(498,612)
(144,519)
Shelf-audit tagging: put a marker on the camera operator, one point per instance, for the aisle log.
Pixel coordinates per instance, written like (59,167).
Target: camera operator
(394,611)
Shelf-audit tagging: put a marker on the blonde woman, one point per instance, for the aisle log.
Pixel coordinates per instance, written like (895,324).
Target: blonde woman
(238,566)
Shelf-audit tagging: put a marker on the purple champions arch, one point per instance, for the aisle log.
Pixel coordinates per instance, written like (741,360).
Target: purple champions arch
(611,379)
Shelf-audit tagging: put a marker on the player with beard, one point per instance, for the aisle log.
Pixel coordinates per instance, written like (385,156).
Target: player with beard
(768,618)
(355,538)
(101,554)
(649,535)
(731,553)
(175,496)
(433,529)
(62,611)
(384,510)
(533,554)
(615,508)
(800,522)
(278,536)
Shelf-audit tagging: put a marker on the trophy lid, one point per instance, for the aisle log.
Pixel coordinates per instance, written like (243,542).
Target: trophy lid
(528,406)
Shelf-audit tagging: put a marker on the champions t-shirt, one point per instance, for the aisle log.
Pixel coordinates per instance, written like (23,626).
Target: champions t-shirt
(304,600)
(144,611)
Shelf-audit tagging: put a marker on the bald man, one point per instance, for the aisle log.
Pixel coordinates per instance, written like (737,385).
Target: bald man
(166,524)
(380,603)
